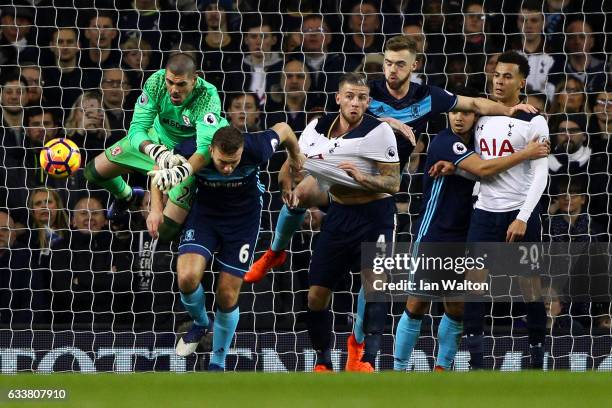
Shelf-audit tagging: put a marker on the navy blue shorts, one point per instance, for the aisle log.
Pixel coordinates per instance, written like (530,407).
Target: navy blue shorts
(344,229)
(233,238)
(486,226)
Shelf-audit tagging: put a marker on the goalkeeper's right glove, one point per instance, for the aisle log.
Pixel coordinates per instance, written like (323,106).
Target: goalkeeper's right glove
(164,158)
(165,179)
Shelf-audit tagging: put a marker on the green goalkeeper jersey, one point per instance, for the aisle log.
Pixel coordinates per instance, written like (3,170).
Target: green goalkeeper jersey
(199,115)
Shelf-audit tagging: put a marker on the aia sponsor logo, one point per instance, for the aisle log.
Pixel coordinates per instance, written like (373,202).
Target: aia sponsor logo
(496,147)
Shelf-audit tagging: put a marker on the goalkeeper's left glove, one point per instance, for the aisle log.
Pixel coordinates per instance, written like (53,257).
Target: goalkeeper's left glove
(165,179)
(163,157)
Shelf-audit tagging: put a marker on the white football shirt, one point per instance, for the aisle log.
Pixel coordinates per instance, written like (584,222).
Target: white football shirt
(521,186)
(370,142)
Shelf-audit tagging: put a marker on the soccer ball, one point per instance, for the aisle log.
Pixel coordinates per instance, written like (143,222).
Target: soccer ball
(60,157)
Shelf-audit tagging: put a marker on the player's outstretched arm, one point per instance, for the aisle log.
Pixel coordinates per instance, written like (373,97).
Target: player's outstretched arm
(388,181)
(288,139)
(289,173)
(401,127)
(156,216)
(487,107)
(485,168)
(286,180)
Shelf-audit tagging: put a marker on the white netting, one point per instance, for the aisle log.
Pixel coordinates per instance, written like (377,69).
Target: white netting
(109,300)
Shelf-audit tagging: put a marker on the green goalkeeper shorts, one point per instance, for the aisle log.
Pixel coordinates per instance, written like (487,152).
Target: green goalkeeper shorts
(123,154)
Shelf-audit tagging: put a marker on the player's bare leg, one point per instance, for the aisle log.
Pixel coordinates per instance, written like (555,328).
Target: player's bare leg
(306,194)
(319,323)
(190,269)
(226,319)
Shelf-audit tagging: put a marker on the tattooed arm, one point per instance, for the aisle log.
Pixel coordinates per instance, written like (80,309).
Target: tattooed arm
(388,181)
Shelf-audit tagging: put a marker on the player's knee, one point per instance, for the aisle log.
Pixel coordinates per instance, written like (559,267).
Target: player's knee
(226,298)
(316,302)
(188,279)
(417,307)
(454,309)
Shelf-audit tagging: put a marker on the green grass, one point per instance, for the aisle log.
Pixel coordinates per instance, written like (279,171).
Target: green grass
(407,390)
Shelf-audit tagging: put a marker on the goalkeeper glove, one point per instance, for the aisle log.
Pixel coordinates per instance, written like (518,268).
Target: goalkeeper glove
(164,158)
(165,179)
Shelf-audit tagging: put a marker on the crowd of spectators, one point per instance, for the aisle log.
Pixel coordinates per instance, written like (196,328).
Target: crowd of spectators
(76,73)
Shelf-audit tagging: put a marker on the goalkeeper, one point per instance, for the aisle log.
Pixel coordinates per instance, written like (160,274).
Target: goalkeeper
(175,105)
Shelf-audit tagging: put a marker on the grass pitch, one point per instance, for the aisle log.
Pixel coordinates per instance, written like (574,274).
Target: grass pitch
(475,389)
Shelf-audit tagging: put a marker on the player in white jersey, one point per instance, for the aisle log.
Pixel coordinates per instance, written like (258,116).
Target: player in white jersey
(507,206)
(353,156)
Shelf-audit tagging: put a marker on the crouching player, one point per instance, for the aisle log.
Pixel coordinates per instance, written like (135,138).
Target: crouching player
(224,219)
(445,218)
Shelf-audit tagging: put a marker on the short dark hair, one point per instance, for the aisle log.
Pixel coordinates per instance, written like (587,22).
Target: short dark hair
(353,78)
(469,3)
(56,30)
(314,17)
(256,21)
(571,185)
(228,139)
(181,63)
(104,13)
(401,42)
(465,91)
(230,98)
(513,57)
(532,5)
(12,75)
(32,111)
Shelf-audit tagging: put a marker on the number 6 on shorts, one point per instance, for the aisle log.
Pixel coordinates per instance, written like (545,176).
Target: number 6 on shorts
(243,254)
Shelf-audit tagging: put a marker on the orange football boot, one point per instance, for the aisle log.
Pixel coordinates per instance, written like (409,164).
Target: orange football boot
(363,367)
(355,352)
(322,368)
(439,369)
(263,265)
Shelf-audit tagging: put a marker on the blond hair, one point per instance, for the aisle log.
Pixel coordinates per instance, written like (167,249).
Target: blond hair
(58,219)
(71,126)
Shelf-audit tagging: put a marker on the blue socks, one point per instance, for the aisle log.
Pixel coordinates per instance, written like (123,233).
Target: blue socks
(358,328)
(449,336)
(223,333)
(194,304)
(406,336)
(288,222)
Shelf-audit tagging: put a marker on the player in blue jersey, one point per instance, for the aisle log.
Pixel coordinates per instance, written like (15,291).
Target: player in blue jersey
(408,106)
(445,218)
(223,220)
